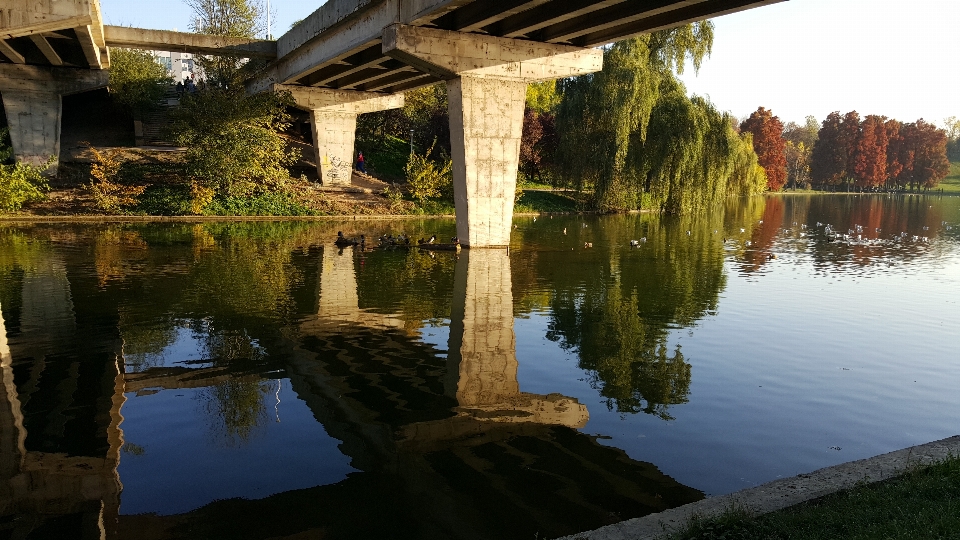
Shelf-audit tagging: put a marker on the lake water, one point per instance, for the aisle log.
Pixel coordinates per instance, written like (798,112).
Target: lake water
(251,380)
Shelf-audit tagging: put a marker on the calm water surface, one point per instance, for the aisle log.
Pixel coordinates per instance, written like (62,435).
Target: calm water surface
(251,380)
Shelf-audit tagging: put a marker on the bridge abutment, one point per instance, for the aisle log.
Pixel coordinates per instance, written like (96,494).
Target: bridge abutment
(486,87)
(333,120)
(32,101)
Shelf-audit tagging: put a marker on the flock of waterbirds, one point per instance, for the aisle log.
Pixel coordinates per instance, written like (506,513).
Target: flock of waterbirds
(400,241)
(858,235)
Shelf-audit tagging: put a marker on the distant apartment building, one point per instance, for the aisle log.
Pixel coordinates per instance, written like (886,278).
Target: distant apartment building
(180,66)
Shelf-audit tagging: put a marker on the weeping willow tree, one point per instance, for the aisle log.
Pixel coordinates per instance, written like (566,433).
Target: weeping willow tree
(631,134)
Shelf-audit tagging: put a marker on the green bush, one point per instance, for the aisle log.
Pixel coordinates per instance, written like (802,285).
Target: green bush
(165,200)
(427,178)
(233,140)
(266,204)
(20,183)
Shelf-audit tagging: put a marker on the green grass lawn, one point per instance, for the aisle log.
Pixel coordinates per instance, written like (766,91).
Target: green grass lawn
(387,158)
(922,504)
(545,201)
(951,184)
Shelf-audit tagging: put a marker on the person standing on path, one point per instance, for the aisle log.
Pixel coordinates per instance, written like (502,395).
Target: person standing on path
(360,164)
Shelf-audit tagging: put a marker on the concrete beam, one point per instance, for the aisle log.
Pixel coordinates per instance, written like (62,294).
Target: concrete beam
(45,48)
(32,102)
(446,55)
(333,119)
(475,16)
(10,53)
(163,40)
(339,29)
(51,24)
(346,101)
(691,12)
(91,51)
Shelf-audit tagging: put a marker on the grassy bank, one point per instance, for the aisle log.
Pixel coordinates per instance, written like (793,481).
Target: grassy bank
(951,184)
(922,504)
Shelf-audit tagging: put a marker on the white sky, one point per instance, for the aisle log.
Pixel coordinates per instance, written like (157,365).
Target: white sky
(890,57)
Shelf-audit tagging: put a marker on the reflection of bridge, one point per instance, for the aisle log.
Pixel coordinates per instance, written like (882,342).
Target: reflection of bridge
(355,56)
(59,417)
(452,442)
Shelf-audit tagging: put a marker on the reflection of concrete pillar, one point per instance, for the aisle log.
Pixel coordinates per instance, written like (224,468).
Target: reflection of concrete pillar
(482,349)
(338,286)
(486,87)
(12,434)
(32,103)
(333,117)
(488,348)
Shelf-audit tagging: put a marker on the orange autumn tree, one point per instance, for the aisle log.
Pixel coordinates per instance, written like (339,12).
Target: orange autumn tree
(870,156)
(769,145)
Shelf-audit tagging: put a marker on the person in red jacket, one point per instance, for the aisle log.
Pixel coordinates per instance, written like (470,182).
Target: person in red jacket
(360,164)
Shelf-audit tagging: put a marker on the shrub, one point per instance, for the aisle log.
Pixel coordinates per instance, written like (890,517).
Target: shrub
(233,141)
(21,183)
(429,179)
(109,195)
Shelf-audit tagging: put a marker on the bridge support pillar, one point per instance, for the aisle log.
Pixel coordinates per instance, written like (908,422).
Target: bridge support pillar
(333,118)
(486,87)
(32,101)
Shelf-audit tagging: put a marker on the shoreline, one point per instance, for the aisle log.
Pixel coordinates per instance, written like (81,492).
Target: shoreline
(781,493)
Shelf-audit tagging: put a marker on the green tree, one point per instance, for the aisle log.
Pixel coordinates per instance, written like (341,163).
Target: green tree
(234,18)
(630,130)
(543,97)
(137,80)
(233,140)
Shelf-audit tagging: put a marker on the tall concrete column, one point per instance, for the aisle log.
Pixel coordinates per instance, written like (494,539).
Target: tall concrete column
(32,102)
(486,87)
(486,123)
(333,118)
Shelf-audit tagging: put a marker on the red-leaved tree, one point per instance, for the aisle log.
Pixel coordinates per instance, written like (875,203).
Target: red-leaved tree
(769,145)
(828,163)
(870,157)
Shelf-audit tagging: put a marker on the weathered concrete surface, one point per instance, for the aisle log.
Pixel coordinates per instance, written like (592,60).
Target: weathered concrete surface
(486,123)
(447,54)
(25,17)
(32,102)
(38,18)
(486,86)
(781,493)
(164,40)
(333,120)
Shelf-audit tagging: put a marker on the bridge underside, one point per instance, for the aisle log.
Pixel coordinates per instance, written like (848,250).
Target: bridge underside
(486,52)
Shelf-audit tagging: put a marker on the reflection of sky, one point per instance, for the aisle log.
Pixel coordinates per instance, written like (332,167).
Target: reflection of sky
(185,465)
(794,365)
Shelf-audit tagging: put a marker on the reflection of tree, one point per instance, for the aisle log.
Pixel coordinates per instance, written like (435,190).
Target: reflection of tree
(235,406)
(414,284)
(144,342)
(617,311)
(236,409)
(628,357)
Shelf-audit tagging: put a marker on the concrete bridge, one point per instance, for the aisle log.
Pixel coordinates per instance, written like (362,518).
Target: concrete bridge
(352,57)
